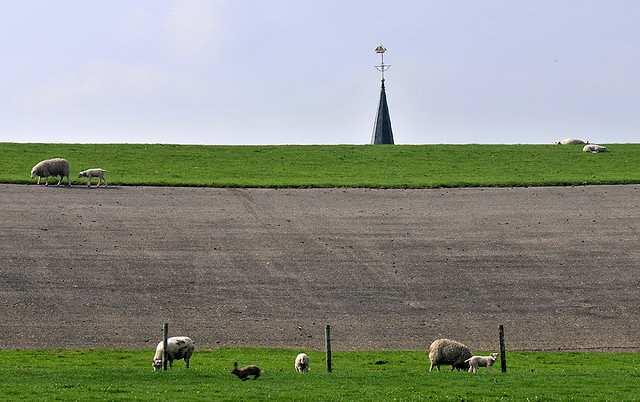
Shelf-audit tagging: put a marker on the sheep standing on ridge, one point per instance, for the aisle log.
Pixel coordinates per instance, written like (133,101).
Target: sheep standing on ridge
(481,361)
(594,148)
(572,141)
(447,351)
(302,363)
(178,347)
(94,172)
(51,167)
(245,372)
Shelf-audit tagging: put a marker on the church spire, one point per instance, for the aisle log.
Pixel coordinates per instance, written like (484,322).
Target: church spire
(382,132)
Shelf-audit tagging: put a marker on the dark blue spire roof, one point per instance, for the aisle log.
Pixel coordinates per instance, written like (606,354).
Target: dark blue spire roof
(382,133)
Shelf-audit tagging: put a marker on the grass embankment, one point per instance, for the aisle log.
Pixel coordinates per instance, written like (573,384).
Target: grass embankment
(127,375)
(380,166)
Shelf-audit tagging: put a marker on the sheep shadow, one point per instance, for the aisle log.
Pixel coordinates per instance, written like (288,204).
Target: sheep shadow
(77,187)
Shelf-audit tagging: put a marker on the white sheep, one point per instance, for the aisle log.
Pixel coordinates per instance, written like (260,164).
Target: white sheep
(302,363)
(572,141)
(594,148)
(447,351)
(94,172)
(178,347)
(481,361)
(51,167)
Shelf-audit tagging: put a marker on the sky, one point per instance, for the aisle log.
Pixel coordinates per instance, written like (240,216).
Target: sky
(302,71)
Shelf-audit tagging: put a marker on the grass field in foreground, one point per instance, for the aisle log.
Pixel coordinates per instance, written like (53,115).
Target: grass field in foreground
(380,166)
(127,375)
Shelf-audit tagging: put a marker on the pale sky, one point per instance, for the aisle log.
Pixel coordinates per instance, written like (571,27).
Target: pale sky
(301,71)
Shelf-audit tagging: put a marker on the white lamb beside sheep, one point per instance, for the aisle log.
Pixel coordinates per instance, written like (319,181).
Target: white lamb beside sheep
(481,361)
(302,363)
(178,347)
(94,172)
(594,148)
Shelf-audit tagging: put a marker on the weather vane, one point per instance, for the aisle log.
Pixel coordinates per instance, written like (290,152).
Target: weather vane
(382,67)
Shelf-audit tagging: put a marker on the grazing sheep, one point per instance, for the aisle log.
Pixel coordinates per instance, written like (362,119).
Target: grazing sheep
(593,148)
(51,167)
(572,141)
(245,372)
(302,363)
(94,172)
(481,361)
(447,351)
(178,347)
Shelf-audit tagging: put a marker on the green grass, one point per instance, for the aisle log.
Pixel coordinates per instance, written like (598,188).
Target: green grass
(126,375)
(380,166)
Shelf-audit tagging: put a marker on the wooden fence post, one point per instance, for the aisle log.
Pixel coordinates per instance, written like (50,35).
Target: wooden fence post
(165,335)
(503,353)
(327,346)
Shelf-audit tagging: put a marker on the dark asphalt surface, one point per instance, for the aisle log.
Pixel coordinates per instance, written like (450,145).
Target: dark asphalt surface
(558,266)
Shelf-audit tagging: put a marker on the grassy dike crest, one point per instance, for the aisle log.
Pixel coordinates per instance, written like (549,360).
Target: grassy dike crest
(380,166)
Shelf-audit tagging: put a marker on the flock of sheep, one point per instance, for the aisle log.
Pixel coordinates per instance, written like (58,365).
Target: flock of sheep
(60,167)
(441,352)
(588,147)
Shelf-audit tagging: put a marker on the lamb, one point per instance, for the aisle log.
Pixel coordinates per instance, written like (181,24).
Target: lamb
(245,372)
(447,351)
(94,172)
(302,363)
(594,148)
(481,361)
(51,167)
(178,347)
(572,141)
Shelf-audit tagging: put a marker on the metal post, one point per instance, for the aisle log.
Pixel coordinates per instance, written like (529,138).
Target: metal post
(503,354)
(327,346)
(165,335)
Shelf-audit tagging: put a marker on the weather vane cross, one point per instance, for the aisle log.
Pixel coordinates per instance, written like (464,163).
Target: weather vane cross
(382,67)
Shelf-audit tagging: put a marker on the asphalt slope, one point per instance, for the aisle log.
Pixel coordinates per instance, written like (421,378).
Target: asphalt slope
(559,267)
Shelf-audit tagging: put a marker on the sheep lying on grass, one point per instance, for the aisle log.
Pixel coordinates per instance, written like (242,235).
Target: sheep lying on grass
(593,148)
(178,347)
(51,167)
(572,141)
(481,361)
(94,172)
(447,351)
(302,363)
(244,372)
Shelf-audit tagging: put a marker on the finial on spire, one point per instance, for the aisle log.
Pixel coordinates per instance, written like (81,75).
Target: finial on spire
(382,67)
